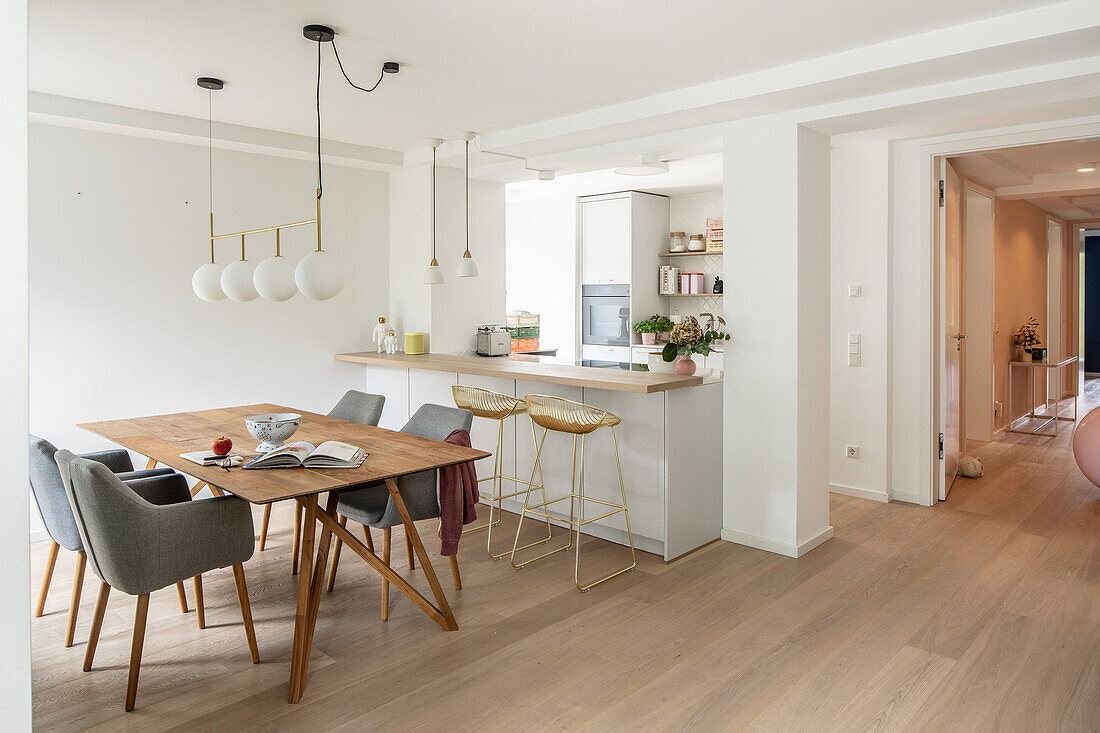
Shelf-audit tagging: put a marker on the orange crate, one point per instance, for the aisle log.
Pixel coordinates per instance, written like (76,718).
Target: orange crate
(521,346)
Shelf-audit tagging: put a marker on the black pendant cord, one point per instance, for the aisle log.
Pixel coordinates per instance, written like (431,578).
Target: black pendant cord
(341,65)
(210,148)
(320,183)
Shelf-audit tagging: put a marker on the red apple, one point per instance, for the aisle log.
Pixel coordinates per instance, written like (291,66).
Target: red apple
(221,446)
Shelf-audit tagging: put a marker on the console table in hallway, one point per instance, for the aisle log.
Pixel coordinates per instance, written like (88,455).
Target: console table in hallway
(1058,367)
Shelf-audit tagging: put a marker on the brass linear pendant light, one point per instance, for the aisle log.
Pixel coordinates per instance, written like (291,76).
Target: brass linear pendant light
(318,275)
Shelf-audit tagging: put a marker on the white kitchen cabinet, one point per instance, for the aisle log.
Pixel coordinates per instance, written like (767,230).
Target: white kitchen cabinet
(640,354)
(605,240)
(606,353)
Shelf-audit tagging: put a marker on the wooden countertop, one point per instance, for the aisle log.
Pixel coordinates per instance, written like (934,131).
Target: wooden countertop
(530,369)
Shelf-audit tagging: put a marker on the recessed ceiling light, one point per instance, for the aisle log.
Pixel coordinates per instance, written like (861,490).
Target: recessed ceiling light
(650,164)
(1086,168)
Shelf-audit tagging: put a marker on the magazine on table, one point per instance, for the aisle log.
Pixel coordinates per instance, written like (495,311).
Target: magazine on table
(330,454)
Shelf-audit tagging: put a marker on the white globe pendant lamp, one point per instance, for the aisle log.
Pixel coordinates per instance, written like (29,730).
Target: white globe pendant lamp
(434,274)
(319,276)
(274,277)
(206,282)
(467,265)
(236,279)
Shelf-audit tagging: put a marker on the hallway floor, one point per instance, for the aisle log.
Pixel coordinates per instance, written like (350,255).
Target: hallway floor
(982,613)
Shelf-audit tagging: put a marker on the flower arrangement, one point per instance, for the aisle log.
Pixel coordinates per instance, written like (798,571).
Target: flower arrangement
(1028,336)
(688,338)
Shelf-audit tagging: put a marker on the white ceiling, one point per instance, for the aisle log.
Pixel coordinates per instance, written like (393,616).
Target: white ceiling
(484,66)
(688,175)
(1046,175)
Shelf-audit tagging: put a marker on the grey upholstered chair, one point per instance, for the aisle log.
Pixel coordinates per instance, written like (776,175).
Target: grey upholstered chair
(57,515)
(373,507)
(354,406)
(137,547)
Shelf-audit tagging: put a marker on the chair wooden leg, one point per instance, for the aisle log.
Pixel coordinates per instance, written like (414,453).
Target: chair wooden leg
(370,537)
(182,596)
(246,612)
(97,624)
(336,557)
(455,573)
(135,649)
(74,604)
(409,547)
(385,583)
(46,578)
(200,608)
(297,538)
(263,526)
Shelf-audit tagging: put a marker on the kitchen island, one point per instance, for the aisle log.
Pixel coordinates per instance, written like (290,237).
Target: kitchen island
(670,438)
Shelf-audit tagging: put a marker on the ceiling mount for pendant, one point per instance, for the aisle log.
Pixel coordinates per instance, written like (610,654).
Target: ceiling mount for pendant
(209,82)
(319,33)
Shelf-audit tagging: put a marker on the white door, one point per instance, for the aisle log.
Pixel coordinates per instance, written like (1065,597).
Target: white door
(977,317)
(1056,302)
(605,241)
(954,337)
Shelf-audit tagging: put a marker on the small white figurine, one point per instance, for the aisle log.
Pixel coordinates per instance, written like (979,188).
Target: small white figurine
(379,334)
(391,343)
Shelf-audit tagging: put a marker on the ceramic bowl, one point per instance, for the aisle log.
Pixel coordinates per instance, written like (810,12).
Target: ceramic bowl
(658,365)
(272,429)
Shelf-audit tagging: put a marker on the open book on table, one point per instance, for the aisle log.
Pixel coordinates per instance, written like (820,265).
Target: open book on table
(330,454)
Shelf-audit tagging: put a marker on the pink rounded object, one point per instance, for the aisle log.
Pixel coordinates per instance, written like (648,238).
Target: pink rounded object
(685,365)
(1086,446)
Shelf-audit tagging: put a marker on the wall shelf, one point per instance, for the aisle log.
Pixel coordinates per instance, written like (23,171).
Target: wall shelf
(690,254)
(691,295)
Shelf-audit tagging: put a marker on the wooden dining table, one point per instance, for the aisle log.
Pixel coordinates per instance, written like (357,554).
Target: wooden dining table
(390,454)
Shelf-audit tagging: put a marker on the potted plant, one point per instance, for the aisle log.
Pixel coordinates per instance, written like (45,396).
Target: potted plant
(648,331)
(651,327)
(1026,339)
(689,338)
(664,327)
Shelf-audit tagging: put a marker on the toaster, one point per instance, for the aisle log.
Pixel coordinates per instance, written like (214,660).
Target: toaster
(493,341)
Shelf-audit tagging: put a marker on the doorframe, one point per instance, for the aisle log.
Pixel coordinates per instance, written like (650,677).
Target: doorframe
(1074,230)
(932,340)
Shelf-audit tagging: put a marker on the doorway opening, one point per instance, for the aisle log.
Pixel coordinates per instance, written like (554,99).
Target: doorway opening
(1011,232)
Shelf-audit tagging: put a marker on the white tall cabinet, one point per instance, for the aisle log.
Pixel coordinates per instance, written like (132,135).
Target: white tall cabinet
(619,237)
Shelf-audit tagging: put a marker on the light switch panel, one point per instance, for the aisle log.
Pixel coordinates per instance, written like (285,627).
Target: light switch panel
(855,349)
(855,291)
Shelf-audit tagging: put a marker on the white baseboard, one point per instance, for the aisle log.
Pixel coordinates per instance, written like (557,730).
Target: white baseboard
(872,494)
(39,535)
(611,534)
(779,548)
(912,498)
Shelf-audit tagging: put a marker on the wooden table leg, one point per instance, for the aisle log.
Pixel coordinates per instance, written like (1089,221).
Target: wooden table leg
(151,464)
(198,487)
(425,561)
(313,583)
(309,505)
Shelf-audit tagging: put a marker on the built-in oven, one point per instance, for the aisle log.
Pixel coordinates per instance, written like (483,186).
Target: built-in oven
(605,315)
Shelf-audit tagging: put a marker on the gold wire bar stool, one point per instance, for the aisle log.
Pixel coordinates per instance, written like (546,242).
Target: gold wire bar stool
(578,419)
(496,406)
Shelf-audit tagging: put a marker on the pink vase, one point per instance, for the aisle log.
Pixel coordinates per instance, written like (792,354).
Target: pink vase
(648,339)
(685,365)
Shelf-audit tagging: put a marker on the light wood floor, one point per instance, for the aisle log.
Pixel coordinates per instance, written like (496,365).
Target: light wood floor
(982,613)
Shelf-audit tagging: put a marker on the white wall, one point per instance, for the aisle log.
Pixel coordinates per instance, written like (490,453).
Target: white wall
(859,233)
(118,224)
(776,396)
(448,313)
(542,267)
(15,603)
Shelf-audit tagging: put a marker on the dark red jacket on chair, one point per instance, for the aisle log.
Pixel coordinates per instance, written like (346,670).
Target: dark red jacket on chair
(458,496)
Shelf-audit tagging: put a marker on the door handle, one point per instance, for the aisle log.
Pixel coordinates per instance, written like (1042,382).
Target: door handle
(959,336)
